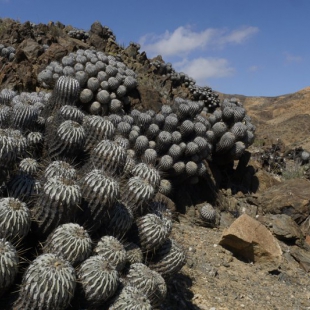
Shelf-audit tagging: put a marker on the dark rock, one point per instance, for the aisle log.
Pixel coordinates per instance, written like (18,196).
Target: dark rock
(291,197)
(31,49)
(282,226)
(302,256)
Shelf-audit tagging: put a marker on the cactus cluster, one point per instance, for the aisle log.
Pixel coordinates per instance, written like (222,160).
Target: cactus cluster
(84,200)
(104,80)
(78,34)
(7,52)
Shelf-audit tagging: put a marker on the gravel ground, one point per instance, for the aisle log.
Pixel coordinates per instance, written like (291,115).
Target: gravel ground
(214,279)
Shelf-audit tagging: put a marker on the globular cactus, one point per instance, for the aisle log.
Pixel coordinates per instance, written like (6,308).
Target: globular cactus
(237,150)
(239,130)
(219,129)
(112,250)
(130,298)
(56,204)
(9,265)
(12,145)
(226,142)
(165,187)
(65,92)
(134,253)
(208,213)
(152,131)
(99,193)
(61,169)
(147,281)
(123,129)
(71,241)
(68,112)
(118,220)
(165,163)
(67,140)
(97,128)
(136,193)
(191,168)
(178,168)
(149,157)
(5,116)
(187,128)
(15,219)
(141,144)
(109,157)
(163,142)
(171,123)
(239,114)
(23,186)
(152,231)
(99,279)
(24,116)
(168,259)
(147,173)
(29,166)
(48,283)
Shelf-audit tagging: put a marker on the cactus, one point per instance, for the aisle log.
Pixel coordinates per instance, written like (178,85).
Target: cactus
(112,250)
(108,156)
(68,140)
(99,279)
(207,213)
(152,231)
(130,298)
(56,204)
(15,219)
(99,193)
(147,173)
(136,193)
(168,259)
(48,283)
(118,220)
(65,92)
(9,265)
(133,253)
(148,282)
(71,241)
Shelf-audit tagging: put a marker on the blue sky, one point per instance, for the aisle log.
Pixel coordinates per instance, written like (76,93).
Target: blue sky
(248,47)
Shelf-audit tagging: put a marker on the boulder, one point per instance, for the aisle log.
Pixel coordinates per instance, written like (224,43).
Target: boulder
(252,241)
(291,197)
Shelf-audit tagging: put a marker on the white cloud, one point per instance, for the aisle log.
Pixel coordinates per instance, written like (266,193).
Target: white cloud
(202,69)
(238,36)
(289,58)
(253,68)
(184,40)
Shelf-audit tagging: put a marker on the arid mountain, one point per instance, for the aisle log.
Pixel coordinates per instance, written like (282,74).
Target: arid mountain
(285,117)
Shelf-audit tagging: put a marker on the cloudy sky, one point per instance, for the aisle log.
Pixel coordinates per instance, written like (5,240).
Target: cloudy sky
(254,48)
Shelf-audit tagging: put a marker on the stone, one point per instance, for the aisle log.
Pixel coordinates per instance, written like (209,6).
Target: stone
(291,197)
(282,226)
(302,256)
(31,49)
(252,241)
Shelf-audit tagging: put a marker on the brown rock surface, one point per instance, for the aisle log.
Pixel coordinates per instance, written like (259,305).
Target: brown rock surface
(282,226)
(248,238)
(291,197)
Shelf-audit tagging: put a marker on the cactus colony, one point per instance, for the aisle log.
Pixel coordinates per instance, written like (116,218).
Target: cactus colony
(85,181)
